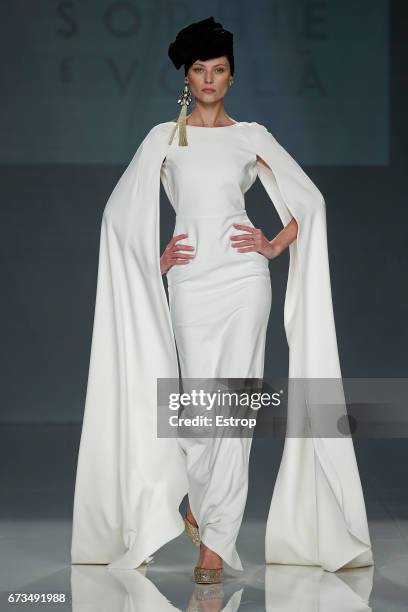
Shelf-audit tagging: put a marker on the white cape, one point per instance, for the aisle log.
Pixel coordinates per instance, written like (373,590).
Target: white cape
(129,483)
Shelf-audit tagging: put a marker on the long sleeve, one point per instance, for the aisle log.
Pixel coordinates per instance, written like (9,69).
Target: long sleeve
(317,514)
(124,469)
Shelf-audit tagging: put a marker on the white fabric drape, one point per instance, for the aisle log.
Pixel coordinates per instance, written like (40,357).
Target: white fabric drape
(317,514)
(129,483)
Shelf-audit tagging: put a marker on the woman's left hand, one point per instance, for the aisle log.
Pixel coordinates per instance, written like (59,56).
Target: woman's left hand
(254,240)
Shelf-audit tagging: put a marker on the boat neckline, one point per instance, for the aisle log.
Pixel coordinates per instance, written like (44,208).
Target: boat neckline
(216,127)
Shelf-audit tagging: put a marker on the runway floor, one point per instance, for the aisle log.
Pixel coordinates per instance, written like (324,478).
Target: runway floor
(36,470)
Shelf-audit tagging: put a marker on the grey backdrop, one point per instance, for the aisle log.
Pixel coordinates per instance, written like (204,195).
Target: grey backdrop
(51,212)
(67,133)
(84,80)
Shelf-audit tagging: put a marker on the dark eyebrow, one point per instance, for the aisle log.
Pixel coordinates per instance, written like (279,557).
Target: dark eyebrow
(199,64)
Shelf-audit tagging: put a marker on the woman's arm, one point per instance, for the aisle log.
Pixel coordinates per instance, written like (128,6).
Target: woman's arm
(287,235)
(255,239)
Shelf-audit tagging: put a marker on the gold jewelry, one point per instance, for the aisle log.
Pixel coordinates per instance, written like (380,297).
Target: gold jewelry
(231,81)
(184,100)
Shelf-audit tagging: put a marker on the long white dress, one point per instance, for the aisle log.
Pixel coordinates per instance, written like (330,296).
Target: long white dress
(129,481)
(219,304)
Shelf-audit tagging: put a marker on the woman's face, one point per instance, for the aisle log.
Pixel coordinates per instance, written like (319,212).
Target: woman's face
(208,80)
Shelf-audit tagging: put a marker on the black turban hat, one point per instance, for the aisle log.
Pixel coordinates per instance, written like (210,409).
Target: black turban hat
(201,40)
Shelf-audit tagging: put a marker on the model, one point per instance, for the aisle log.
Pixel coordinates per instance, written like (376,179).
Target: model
(130,482)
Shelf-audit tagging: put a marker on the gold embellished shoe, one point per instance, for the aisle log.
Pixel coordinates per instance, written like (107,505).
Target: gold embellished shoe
(203,575)
(192,531)
(205,592)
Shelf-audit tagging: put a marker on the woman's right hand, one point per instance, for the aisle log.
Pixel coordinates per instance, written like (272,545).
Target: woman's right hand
(172,255)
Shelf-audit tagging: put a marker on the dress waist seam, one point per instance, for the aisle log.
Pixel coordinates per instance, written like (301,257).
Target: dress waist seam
(236,214)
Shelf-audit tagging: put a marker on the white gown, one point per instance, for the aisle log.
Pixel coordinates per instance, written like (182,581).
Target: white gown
(130,482)
(220,304)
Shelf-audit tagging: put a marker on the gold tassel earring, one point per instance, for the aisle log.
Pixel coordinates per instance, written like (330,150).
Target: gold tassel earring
(184,100)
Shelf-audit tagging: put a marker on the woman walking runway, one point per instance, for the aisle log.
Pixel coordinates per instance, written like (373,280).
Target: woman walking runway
(130,481)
